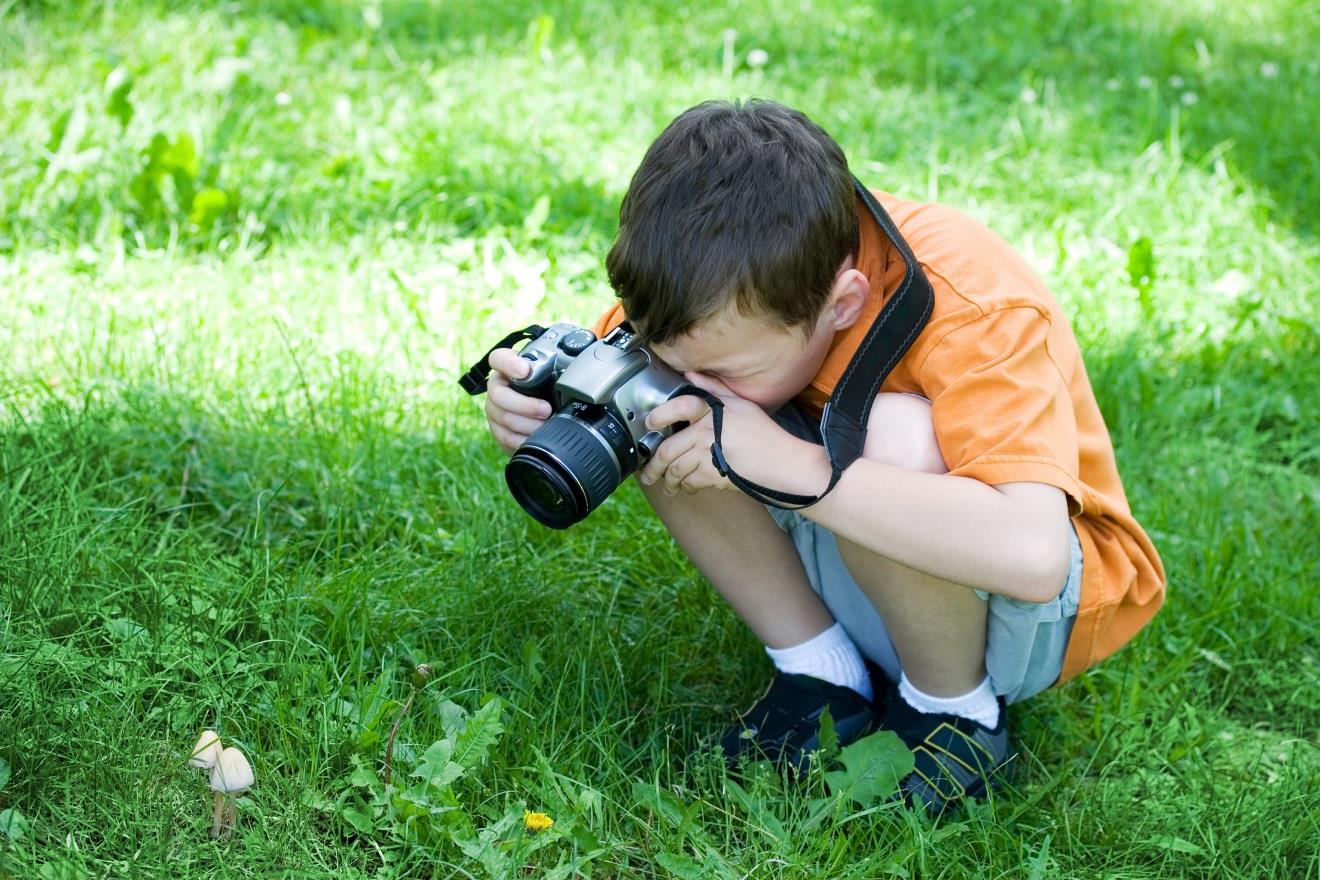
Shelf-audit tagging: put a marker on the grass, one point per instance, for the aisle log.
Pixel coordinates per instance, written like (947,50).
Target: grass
(239,489)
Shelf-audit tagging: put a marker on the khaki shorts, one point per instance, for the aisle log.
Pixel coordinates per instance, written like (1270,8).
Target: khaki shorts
(1025,641)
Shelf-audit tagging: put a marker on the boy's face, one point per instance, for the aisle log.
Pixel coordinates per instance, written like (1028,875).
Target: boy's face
(758,359)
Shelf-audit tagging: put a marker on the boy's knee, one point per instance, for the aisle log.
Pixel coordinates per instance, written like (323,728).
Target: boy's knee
(901,433)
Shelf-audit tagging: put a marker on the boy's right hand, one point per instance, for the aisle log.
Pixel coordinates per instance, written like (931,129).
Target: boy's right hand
(512,416)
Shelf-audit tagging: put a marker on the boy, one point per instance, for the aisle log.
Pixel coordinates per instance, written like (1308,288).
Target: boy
(979,551)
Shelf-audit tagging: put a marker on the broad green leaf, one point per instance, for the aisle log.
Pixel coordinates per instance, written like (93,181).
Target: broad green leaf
(452,717)
(4,773)
(660,802)
(757,810)
(481,732)
(688,869)
(121,629)
(680,866)
(13,824)
(62,869)
(363,777)
(436,766)
(359,820)
(1040,862)
(315,800)
(873,767)
(486,848)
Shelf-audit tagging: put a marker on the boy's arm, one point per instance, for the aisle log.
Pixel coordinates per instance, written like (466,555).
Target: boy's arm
(1010,539)
(1007,430)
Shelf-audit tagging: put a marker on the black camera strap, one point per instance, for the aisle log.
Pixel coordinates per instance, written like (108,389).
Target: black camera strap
(474,380)
(843,421)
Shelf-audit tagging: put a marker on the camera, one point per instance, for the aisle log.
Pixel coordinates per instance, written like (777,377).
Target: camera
(601,391)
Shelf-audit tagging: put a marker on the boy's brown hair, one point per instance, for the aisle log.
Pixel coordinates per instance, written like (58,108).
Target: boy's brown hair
(744,202)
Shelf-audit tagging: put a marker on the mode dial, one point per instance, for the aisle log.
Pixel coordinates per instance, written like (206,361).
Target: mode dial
(576,342)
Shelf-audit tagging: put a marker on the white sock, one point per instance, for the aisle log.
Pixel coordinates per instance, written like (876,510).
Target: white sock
(979,704)
(830,656)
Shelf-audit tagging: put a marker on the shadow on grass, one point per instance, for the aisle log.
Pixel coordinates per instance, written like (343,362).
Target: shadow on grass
(181,566)
(374,538)
(165,566)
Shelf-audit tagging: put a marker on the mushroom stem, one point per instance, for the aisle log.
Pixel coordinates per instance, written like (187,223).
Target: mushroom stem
(217,814)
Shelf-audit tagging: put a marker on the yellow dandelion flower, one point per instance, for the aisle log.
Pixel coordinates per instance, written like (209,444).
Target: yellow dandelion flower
(536,821)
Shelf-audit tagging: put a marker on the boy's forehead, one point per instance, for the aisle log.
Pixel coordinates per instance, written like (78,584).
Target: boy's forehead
(720,343)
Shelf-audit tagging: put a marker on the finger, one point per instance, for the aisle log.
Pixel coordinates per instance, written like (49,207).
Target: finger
(501,396)
(687,408)
(679,471)
(507,361)
(514,423)
(510,440)
(670,451)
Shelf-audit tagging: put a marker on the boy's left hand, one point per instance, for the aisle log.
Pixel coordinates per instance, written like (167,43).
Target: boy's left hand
(754,445)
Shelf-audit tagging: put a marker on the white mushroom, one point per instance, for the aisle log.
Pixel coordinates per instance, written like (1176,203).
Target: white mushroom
(207,751)
(231,775)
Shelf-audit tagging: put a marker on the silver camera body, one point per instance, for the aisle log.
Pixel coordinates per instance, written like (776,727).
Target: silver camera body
(601,391)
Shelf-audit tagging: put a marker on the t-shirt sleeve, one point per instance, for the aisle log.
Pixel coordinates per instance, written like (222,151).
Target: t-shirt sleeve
(1001,406)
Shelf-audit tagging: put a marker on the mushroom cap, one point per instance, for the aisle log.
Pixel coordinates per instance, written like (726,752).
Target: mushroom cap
(207,751)
(231,772)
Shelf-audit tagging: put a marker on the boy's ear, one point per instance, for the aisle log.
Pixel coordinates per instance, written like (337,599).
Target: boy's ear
(848,297)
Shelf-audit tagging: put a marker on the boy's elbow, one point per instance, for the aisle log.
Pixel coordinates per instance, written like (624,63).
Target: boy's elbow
(1046,559)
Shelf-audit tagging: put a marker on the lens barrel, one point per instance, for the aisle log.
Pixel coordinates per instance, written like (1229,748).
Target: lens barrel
(570,465)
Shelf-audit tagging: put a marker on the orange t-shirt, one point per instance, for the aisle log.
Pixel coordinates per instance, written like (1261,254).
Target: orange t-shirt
(1010,400)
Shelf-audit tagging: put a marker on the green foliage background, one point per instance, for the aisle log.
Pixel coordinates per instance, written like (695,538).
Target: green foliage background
(245,250)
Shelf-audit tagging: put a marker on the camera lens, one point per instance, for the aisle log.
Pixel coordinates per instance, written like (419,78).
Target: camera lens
(546,491)
(540,486)
(570,465)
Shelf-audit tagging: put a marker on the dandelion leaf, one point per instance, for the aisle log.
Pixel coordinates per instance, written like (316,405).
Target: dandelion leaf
(437,766)
(481,732)
(680,866)
(452,716)
(873,767)
(660,802)
(361,820)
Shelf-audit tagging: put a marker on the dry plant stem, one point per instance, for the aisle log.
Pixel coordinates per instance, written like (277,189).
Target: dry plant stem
(398,719)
